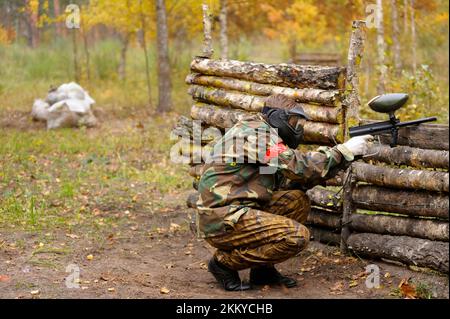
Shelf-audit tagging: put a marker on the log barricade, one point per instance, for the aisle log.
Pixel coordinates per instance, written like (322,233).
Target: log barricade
(399,201)
(227,91)
(393,204)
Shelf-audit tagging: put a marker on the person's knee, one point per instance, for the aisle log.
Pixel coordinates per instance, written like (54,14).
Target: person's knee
(298,238)
(299,205)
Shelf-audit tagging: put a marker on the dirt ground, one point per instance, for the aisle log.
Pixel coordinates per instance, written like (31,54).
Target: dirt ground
(141,261)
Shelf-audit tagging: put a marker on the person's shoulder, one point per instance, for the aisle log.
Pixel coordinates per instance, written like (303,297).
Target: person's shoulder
(253,122)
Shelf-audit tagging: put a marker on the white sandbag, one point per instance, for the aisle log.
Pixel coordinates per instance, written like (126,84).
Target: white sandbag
(67,106)
(60,116)
(39,111)
(72,90)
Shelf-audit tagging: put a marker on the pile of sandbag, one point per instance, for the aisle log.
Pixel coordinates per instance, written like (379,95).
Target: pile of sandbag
(66,106)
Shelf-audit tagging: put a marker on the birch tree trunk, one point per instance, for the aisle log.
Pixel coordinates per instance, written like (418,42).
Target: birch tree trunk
(224,28)
(396,38)
(164,79)
(381,85)
(207,38)
(144,45)
(413,38)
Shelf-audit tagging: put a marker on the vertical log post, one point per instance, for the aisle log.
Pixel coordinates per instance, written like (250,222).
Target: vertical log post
(207,38)
(352,101)
(348,208)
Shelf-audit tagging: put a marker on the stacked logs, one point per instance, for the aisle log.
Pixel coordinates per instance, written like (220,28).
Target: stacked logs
(225,91)
(324,219)
(398,200)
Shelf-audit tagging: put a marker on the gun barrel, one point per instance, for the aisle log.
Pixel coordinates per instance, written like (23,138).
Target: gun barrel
(385,127)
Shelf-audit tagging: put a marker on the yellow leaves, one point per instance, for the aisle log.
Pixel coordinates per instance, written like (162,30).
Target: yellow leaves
(90,257)
(164,290)
(301,22)
(407,290)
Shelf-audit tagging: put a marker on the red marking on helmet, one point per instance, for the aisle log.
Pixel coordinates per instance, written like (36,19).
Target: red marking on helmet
(275,150)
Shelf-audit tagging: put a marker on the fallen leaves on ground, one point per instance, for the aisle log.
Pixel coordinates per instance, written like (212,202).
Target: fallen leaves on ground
(4,278)
(407,290)
(164,290)
(337,288)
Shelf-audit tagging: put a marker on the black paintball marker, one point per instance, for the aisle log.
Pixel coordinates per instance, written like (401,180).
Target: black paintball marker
(387,103)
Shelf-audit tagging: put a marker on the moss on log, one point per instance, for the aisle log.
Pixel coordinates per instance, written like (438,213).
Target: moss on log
(408,250)
(405,155)
(315,96)
(426,136)
(393,225)
(413,203)
(289,75)
(254,103)
(401,178)
(324,198)
(315,132)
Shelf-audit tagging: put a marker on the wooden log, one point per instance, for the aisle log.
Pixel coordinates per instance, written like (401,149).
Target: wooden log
(413,203)
(405,155)
(323,218)
(195,131)
(217,116)
(408,250)
(393,225)
(289,75)
(254,103)
(314,132)
(352,102)
(324,198)
(348,208)
(426,136)
(317,96)
(401,178)
(337,180)
(324,236)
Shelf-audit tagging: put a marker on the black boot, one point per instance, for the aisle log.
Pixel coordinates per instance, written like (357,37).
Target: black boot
(268,275)
(228,278)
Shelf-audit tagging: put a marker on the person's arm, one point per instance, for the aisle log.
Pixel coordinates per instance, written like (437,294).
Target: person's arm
(314,167)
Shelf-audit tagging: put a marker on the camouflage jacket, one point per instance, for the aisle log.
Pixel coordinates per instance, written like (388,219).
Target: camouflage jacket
(246,166)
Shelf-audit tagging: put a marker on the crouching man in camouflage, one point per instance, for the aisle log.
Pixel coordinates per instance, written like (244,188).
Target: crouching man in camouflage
(248,207)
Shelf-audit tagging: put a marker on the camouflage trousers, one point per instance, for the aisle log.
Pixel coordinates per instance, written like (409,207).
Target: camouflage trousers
(266,237)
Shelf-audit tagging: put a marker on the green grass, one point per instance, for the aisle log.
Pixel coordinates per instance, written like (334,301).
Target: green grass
(58,178)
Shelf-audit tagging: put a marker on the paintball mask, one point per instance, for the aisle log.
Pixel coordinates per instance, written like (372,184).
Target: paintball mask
(279,119)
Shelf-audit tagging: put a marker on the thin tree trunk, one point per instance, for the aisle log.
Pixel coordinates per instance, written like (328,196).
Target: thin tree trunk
(86,54)
(396,38)
(164,78)
(381,86)
(224,28)
(75,56)
(405,16)
(144,45)
(413,38)
(122,69)
(56,13)
(33,17)
(207,38)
